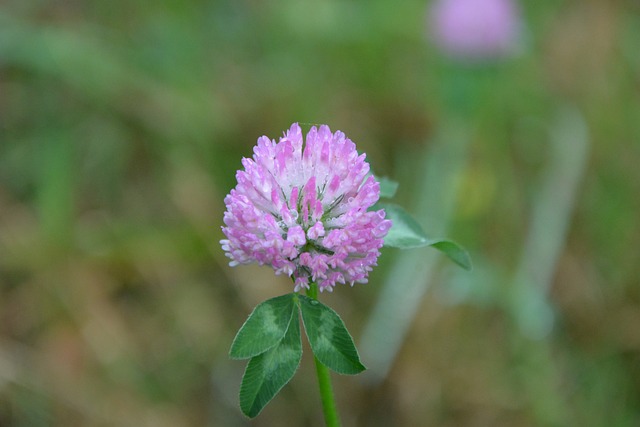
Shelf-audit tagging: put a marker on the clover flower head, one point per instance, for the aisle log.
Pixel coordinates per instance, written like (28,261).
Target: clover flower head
(302,208)
(475,30)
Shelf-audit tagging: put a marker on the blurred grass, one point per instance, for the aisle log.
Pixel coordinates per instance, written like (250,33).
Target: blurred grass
(122,125)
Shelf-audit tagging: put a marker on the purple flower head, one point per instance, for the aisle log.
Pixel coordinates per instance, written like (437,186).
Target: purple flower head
(302,209)
(476,29)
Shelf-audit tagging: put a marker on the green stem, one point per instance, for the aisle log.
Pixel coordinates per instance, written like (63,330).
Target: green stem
(324,380)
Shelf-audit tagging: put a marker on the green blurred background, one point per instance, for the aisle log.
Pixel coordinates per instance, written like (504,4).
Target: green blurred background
(122,124)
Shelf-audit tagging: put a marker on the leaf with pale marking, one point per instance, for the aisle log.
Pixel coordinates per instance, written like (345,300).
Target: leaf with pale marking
(330,341)
(264,328)
(268,372)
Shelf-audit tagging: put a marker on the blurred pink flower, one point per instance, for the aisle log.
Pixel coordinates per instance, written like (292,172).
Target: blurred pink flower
(303,211)
(476,29)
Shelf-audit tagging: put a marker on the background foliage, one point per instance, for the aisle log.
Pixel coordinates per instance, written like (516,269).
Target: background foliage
(122,124)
